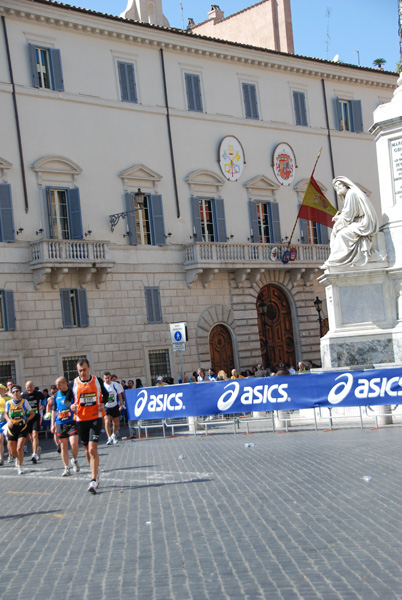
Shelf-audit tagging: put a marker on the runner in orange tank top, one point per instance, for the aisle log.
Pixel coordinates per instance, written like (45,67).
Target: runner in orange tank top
(88,396)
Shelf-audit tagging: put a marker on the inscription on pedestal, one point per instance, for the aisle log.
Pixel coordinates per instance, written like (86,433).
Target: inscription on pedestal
(396,160)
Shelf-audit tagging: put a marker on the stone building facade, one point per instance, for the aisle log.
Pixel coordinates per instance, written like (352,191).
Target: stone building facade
(95,108)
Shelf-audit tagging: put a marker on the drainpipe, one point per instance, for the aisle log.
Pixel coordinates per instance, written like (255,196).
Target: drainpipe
(17,120)
(329,138)
(170,135)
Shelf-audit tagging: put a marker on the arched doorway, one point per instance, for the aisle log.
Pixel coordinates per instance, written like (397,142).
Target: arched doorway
(275,327)
(221,349)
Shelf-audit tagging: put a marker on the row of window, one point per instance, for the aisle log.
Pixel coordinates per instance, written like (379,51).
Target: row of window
(74,308)
(159,364)
(47,73)
(146,224)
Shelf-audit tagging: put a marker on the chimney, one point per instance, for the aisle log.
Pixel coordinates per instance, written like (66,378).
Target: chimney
(215,13)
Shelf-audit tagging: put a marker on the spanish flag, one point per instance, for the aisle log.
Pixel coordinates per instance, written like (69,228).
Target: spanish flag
(315,206)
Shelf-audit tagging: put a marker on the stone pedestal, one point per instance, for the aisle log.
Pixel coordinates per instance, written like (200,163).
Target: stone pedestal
(364,323)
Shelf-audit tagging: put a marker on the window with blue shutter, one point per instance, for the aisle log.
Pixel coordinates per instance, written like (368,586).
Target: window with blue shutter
(209,223)
(265,225)
(128,87)
(146,225)
(64,214)
(153,304)
(46,70)
(7,233)
(299,103)
(74,308)
(7,310)
(348,115)
(250,101)
(193,91)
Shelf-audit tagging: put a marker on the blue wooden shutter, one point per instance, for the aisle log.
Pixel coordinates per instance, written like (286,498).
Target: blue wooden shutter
(82,308)
(49,211)
(34,68)
(9,311)
(324,234)
(153,305)
(7,233)
(131,222)
(252,207)
(74,214)
(250,101)
(57,73)
(156,219)
(338,114)
(357,115)
(299,101)
(128,88)
(193,89)
(220,223)
(195,209)
(303,230)
(66,313)
(275,226)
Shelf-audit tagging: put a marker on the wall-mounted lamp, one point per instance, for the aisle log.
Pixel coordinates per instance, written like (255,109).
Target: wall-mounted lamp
(89,232)
(230,237)
(19,231)
(40,231)
(138,201)
(128,234)
(318,307)
(168,235)
(285,239)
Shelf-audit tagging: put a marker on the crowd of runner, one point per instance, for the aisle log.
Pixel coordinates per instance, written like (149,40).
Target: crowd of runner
(79,409)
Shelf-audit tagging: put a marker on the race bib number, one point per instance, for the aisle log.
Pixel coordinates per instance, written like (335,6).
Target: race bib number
(88,399)
(111,402)
(64,415)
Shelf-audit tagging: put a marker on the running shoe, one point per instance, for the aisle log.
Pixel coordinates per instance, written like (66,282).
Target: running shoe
(1,462)
(75,465)
(10,458)
(92,487)
(20,470)
(98,478)
(66,472)
(109,441)
(114,440)
(58,449)
(34,458)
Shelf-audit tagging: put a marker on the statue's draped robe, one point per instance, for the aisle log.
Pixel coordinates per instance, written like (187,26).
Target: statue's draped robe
(351,238)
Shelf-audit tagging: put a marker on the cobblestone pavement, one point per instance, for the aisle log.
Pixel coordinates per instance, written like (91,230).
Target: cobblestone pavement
(290,518)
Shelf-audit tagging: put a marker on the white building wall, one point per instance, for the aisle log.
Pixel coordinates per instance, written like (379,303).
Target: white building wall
(89,125)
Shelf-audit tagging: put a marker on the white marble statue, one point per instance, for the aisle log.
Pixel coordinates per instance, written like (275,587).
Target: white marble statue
(354,228)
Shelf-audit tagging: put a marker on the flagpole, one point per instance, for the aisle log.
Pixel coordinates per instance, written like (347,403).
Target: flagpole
(294,227)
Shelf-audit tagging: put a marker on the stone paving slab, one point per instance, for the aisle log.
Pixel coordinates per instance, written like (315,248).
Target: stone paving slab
(290,518)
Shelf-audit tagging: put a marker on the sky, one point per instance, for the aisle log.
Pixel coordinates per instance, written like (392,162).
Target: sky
(358,31)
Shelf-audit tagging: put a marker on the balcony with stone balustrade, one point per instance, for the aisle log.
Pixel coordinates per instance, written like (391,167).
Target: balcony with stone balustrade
(52,259)
(205,259)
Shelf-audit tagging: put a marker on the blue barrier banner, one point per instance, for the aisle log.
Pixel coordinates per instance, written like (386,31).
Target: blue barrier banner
(291,392)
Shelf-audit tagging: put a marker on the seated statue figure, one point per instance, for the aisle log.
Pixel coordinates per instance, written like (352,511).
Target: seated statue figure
(354,228)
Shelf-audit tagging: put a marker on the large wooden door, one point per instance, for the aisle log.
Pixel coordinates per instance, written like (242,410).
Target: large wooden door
(221,349)
(275,327)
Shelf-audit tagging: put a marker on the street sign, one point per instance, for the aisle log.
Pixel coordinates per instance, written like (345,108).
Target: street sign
(178,333)
(179,346)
